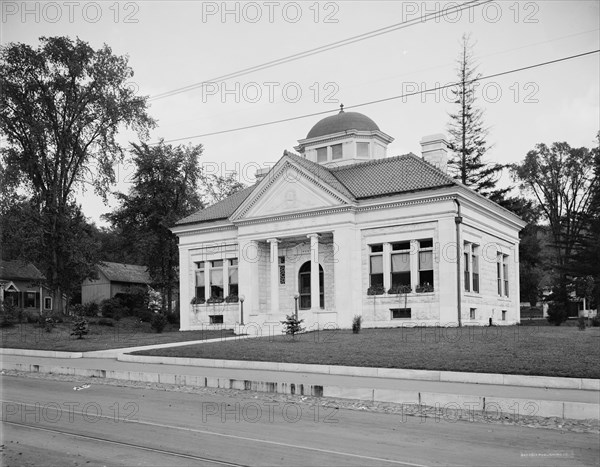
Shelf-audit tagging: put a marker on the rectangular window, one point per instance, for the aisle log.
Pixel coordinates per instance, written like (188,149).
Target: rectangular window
(321,154)
(400,265)
(505,268)
(233,276)
(216,319)
(47,303)
(467,270)
(362,150)
(200,283)
(426,263)
(472,313)
(216,279)
(503,315)
(336,152)
(376,271)
(282,270)
(30,299)
(475,268)
(499,273)
(400,313)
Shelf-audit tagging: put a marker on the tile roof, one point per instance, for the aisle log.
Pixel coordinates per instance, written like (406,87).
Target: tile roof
(320,172)
(391,175)
(370,179)
(220,210)
(14,270)
(120,272)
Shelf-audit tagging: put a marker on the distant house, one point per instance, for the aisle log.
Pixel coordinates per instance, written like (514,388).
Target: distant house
(21,285)
(112,279)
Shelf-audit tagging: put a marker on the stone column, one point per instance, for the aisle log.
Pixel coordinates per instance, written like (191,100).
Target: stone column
(314,271)
(274,273)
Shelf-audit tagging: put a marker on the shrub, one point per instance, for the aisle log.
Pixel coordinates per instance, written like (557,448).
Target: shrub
(292,325)
(159,321)
(145,316)
(106,322)
(596,321)
(47,323)
(113,308)
(134,300)
(32,318)
(173,318)
(557,313)
(80,328)
(356,324)
(91,310)
(581,323)
(9,313)
(77,309)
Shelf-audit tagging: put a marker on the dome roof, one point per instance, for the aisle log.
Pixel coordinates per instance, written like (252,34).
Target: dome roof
(341,122)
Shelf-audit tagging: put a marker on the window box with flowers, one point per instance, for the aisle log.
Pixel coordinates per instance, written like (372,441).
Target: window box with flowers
(197,301)
(376,290)
(424,288)
(232,298)
(400,289)
(215,300)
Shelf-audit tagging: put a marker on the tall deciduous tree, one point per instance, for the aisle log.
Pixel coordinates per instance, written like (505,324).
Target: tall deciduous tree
(468,133)
(61,107)
(564,182)
(165,189)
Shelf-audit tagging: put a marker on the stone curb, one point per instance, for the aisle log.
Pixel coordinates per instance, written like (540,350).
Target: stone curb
(445,404)
(395,373)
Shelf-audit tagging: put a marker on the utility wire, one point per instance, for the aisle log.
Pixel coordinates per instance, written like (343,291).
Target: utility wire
(437,88)
(324,48)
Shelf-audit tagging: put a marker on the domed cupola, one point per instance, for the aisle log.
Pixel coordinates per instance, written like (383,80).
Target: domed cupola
(344,138)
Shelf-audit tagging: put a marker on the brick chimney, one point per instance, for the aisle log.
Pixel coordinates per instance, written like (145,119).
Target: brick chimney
(434,149)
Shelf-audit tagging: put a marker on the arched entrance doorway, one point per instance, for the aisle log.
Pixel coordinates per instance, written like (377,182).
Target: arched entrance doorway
(304,286)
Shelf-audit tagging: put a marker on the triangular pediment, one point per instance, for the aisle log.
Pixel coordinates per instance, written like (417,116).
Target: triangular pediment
(289,189)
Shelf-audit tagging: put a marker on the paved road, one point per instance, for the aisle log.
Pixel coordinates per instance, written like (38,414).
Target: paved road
(48,423)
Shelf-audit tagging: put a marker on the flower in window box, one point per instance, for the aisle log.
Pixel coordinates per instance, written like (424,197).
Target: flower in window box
(231,298)
(425,288)
(214,299)
(197,301)
(400,289)
(376,290)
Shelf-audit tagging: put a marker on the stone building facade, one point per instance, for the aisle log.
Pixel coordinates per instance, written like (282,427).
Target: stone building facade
(340,229)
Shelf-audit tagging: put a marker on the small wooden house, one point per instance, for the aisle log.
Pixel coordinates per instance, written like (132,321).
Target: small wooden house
(112,279)
(21,284)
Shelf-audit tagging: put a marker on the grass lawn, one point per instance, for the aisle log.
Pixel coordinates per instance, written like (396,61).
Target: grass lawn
(529,350)
(128,332)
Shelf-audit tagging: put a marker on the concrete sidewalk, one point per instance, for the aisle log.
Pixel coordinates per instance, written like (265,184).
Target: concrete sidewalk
(545,402)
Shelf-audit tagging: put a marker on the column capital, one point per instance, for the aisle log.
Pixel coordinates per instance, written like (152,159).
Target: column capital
(273,240)
(311,235)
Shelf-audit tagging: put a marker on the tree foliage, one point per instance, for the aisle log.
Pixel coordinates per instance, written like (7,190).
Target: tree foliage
(468,133)
(61,107)
(564,182)
(164,190)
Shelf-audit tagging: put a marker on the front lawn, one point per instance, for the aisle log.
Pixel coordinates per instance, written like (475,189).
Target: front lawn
(528,350)
(127,332)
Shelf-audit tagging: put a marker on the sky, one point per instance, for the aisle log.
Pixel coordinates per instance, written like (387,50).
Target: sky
(176,44)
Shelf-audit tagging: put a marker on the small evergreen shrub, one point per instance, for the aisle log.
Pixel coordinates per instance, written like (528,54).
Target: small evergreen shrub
(173,318)
(596,321)
(9,312)
(292,325)
(356,324)
(80,327)
(581,323)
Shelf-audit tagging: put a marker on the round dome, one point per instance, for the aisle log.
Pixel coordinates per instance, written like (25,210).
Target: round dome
(341,122)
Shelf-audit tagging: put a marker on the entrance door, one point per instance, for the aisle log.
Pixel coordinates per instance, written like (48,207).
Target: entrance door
(304,286)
